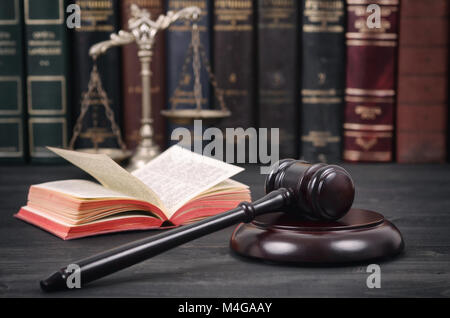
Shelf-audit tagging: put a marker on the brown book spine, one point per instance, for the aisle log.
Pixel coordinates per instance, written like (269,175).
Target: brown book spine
(234,58)
(371,91)
(422,81)
(132,87)
(322,80)
(277,68)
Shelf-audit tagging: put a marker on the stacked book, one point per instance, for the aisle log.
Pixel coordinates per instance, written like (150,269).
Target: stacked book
(354,80)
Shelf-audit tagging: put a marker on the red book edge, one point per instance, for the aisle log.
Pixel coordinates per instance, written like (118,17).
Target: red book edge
(103,227)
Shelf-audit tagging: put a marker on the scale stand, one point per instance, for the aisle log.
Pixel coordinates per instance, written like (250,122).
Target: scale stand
(143,31)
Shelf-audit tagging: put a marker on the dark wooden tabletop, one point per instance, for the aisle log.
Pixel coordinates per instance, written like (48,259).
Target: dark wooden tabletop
(415,197)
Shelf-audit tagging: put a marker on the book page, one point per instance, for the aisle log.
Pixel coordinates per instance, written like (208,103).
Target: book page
(226,185)
(110,174)
(178,175)
(82,189)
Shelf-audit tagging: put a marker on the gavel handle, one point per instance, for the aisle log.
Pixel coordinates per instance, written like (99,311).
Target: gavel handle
(111,261)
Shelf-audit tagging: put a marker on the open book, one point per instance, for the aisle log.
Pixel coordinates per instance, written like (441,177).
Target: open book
(177,187)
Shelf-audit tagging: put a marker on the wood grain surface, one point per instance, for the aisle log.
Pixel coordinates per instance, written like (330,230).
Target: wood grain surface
(415,197)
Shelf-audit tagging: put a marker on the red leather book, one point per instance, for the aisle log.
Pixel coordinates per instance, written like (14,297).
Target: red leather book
(371,91)
(422,81)
(131,85)
(167,192)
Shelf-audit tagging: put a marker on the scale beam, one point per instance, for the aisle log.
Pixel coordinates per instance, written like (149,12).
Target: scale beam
(142,31)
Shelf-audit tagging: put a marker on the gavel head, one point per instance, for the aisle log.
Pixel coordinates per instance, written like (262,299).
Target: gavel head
(322,192)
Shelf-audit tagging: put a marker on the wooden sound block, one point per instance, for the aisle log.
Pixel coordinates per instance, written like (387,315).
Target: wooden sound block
(359,236)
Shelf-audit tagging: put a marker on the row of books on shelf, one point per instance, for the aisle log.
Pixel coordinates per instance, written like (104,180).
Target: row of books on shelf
(335,82)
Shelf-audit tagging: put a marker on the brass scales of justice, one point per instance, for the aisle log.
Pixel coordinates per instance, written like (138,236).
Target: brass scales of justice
(143,31)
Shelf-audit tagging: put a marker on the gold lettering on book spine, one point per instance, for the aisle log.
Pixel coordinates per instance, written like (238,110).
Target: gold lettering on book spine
(233,15)
(367,2)
(321,96)
(366,144)
(365,99)
(368,112)
(370,92)
(355,155)
(371,128)
(277,14)
(365,134)
(322,100)
(44,43)
(181,4)
(233,4)
(95,15)
(95,4)
(156,4)
(320,138)
(323,16)
(384,36)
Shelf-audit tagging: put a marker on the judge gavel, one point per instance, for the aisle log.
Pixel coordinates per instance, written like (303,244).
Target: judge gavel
(316,192)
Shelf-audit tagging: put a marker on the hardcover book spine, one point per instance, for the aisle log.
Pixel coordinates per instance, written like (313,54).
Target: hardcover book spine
(323,79)
(99,19)
(47,77)
(277,47)
(371,89)
(178,39)
(131,79)
(422,81)
(12,127)
(234,56)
